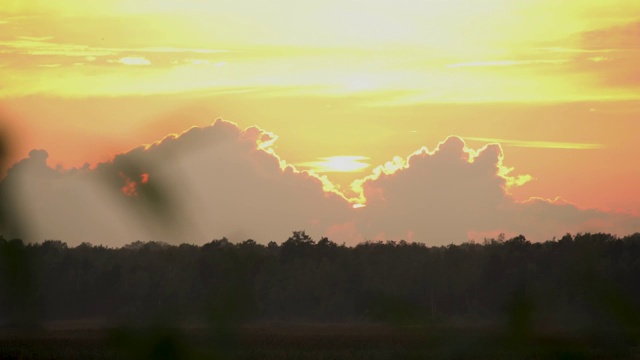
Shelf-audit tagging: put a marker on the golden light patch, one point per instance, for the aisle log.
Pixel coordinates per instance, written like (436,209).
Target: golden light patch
(134,60)
(337,164)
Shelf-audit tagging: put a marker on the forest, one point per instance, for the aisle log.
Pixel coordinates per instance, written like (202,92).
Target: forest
(586,282)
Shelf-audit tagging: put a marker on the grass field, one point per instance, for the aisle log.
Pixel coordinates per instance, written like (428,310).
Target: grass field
(309,342)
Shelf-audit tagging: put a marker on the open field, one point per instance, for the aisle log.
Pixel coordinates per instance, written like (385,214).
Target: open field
(573,298)
(310,342)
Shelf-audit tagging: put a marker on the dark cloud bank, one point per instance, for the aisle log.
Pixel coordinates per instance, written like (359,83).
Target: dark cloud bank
(223,181)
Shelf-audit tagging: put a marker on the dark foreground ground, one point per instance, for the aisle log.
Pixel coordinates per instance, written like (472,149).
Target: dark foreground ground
(310,342)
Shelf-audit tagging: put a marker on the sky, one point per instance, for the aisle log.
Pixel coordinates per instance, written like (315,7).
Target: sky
(348,92)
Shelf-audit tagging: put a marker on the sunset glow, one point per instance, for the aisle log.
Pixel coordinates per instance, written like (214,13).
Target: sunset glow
(337,164)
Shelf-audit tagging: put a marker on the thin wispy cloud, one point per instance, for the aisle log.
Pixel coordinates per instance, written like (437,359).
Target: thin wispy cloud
(538,144)
(182,50)
(44,46)
(573,50)
(507,63)
(134,60)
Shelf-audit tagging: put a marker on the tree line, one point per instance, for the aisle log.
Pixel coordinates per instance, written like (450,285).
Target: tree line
(582,281)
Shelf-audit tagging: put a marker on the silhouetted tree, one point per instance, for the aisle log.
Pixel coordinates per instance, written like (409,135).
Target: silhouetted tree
(587,281)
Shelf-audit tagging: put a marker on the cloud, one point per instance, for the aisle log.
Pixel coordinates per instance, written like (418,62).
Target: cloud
(42,46)
(508,63)
(542,219)
(73,204)
(620,37)
(134,60)
(446,195)
(221,180)
(539,144)
(437,196)
(45,45)
(610,55)
(606,56)
(203,184)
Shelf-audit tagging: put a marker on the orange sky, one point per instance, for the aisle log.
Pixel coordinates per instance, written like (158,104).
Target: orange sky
(556,83)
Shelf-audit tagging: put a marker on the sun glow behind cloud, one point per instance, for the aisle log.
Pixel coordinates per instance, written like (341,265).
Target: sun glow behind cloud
(337,164)
(438,197)
(343,73)
(469,155)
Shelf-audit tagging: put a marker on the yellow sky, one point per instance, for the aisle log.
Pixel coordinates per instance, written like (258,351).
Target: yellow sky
(555,82)
(434,51)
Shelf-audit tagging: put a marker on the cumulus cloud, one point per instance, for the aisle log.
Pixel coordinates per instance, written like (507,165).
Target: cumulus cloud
(204,184)
(455,193)
(221,180)
(73,205)
(438,196)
